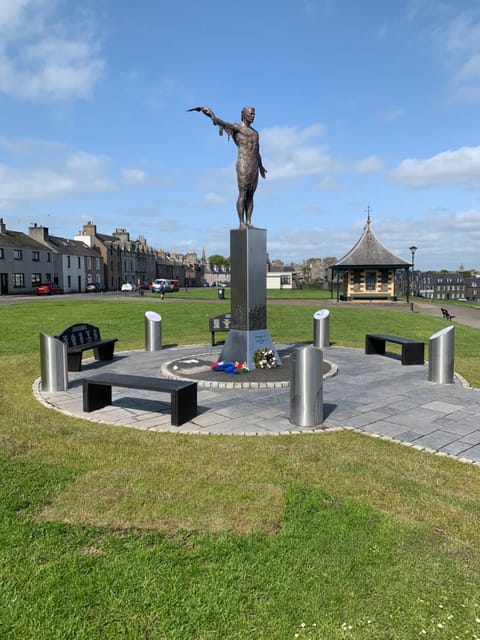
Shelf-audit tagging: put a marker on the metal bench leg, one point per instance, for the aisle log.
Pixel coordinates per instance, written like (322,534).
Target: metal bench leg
(105,352)
(373,345)
(183,405)
(413,353)
(74,361)
(96,396)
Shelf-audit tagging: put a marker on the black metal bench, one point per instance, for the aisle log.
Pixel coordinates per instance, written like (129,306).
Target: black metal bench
(412,350)
(446,315)
(219,323)
(97,393)
(80,338)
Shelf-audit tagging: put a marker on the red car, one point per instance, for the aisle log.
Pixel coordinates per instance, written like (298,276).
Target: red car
(48,289)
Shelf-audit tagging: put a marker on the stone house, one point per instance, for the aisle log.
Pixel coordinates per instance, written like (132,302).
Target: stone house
(24,263)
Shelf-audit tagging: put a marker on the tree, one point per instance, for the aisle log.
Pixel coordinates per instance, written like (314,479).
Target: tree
(218,259)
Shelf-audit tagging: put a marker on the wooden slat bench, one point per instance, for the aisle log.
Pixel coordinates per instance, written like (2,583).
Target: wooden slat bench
(219,323)
(80,338)
(97,393)
(412,350)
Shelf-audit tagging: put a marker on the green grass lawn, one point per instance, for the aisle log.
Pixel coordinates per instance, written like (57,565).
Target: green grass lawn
(107,532)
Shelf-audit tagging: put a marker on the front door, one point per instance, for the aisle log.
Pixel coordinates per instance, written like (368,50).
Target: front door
(3,284)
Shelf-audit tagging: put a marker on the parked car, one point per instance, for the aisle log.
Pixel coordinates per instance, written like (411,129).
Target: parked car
(128,286)
(156,284)
(48,289)
(95,287)
(170,285)
(173,285)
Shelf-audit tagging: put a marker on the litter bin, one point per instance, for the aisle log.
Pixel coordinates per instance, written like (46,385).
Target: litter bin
(306,387)
(53,363)
(441,356)
(153,331)
(221,293)
(321,329)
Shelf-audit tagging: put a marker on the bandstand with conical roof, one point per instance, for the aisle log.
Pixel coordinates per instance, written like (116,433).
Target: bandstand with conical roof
(367,271)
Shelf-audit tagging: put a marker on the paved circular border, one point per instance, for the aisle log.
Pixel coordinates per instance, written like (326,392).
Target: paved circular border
(242,382)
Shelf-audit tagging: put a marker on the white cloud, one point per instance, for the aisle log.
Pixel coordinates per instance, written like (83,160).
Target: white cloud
(43,170)
(461,166)
(45,57)
(135,176)
(453,33)
(371,164)
(214,199)
(292,152)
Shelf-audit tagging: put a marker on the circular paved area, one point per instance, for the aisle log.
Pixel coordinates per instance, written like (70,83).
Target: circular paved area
(371,394)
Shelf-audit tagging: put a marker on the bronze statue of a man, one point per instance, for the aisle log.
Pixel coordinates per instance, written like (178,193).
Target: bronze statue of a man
(249,162)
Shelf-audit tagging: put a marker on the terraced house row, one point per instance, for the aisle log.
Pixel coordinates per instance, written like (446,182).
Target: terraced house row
(28,260)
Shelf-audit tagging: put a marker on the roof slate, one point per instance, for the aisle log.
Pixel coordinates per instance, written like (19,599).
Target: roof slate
(369,252)
(21,240)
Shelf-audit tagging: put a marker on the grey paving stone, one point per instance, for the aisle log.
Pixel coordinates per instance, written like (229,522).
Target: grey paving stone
(456,447)
(436,440)
(472,438)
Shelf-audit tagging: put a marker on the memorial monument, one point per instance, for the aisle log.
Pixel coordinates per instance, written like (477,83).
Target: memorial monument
(248,248)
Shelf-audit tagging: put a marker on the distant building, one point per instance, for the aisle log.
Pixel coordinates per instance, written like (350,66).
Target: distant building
(124,260)
(448,286)
(74,261)
(24,263)
(367,271)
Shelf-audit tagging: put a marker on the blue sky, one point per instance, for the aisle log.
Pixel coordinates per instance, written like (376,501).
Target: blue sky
(358,104)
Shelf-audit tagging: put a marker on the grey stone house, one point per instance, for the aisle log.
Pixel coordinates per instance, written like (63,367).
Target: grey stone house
(24,263)
(75,262)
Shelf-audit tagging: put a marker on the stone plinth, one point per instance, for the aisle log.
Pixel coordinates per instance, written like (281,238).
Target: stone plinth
(248,328)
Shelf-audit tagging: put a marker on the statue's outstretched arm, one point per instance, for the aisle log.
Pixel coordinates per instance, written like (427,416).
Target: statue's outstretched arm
(221,124)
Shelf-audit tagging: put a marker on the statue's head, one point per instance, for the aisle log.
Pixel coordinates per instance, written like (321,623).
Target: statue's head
(248,113)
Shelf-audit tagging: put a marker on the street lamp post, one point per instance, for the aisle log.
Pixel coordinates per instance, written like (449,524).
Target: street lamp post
(412,251)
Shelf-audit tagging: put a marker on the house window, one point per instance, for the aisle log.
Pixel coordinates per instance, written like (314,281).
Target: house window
(19,280)
(79,264)
(285,279)
(370,280)
(17,254)
(99,264)
(35,256)
(49,257)
(2,255)
(69,282)
(68,262)
(36,279)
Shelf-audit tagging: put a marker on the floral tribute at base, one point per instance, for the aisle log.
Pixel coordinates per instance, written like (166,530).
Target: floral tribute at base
(230,367)
(265,359)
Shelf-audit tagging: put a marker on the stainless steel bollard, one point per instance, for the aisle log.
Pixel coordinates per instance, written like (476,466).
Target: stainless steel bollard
(441,356)
(321,329)
(53,363)
(306,387)
(153,331)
